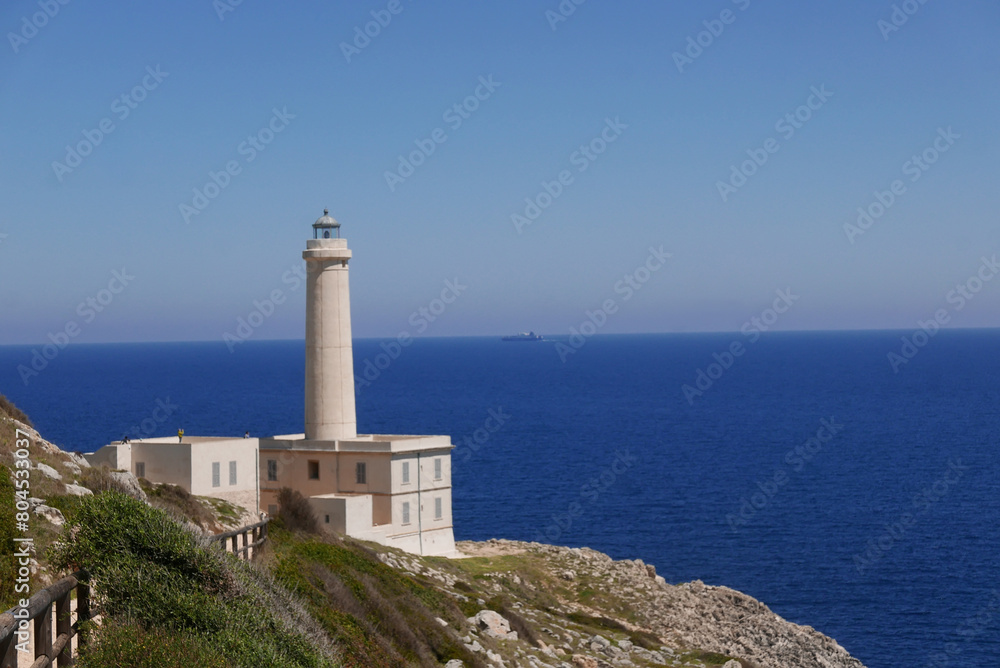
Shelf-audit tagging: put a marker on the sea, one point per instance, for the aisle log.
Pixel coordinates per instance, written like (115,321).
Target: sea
(846,489)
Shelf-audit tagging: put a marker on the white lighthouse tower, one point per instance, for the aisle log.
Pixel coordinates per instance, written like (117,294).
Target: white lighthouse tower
(392,489)
(330,412)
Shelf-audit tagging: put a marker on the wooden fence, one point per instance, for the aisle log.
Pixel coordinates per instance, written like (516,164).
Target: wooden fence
(252,537)
(48,651)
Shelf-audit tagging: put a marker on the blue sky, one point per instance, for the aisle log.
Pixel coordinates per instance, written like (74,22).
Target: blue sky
(345,119)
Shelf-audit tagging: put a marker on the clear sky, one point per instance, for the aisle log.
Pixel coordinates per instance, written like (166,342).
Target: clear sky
(200,81)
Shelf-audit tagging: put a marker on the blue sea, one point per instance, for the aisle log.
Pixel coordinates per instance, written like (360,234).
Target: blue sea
(858,499)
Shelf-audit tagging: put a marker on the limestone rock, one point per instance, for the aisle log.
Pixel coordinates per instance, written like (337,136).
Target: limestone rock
(492,624)
(76,490)
(732,663)
(581,661)
(53,515)
(79,459)
(455,663)
(48,471)
(130,482)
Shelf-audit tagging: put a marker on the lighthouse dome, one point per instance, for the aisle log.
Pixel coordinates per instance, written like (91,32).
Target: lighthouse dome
(326,227)
(326,220)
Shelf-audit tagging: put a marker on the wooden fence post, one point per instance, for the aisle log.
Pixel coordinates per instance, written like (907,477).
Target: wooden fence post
(43,632)
(64,629)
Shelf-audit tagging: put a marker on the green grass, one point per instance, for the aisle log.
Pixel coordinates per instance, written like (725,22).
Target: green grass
(130,644)
(149,572)
(8,567)
(378,616)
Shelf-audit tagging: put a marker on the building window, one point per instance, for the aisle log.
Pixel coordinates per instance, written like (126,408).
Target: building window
(406,472)
(313,470)
(216,475)
(406,512)
(327,519)
(272,469)
(232,473)
(438,509)
(361,473)
(140,469)
(272,510)
(437,468)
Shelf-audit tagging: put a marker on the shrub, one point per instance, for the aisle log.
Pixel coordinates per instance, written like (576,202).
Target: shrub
(8,569)
(150,572)
(295,512)
(13,411)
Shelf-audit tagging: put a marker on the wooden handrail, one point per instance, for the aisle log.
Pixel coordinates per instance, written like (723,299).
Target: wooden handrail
(252,545)
(14,623)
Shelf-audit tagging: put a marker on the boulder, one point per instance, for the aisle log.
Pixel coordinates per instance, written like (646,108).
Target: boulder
(455,663)
(48,471)
(492,624)
(53,515)
(130,483)
(76,490)
(581,661)
(79,459)
(732,663)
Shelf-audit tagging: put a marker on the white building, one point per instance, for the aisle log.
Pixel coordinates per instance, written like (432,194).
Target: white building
(394,490)
(225,468)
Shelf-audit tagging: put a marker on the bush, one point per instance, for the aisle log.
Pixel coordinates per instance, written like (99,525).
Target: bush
(8,568)
(13,411)
(148,571)
(295,512)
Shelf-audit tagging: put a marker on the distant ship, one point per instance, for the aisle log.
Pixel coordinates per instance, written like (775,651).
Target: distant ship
(523,336)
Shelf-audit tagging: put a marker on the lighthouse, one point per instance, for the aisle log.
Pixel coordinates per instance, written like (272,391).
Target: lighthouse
(329,392)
